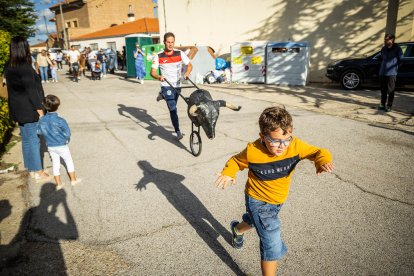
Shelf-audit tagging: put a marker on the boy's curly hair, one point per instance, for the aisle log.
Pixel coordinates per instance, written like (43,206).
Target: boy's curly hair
(273,118)
(52,103)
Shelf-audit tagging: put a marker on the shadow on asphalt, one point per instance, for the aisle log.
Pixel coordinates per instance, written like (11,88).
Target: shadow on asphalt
(393,129)
(327,92)
(191,208)
(35,249)
(129,80)
(155,130)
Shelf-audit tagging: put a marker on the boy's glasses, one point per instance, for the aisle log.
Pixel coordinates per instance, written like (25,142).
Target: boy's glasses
(279,142)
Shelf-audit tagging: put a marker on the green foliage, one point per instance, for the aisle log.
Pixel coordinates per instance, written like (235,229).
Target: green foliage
(6,125)
(4,49)
(18,17)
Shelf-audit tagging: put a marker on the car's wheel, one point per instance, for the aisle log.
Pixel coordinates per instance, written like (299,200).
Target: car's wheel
(351,79)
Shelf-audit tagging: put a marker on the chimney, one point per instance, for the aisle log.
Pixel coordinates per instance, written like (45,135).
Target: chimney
(131,15)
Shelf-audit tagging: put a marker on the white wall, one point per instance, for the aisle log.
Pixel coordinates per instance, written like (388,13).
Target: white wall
(102,43)
(334,28)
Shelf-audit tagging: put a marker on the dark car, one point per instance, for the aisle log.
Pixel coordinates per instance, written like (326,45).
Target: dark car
(351,73)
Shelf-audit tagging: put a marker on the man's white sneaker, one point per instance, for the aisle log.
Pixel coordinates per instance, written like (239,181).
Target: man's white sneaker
(179,135)
(43,81)
(142,81)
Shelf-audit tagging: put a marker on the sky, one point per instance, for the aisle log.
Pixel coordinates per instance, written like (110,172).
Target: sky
(42,9)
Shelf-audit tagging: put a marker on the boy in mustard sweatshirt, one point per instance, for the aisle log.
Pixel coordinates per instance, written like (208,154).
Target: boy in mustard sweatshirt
(271,160)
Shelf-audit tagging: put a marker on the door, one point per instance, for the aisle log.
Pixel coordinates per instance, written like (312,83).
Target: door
(406,70)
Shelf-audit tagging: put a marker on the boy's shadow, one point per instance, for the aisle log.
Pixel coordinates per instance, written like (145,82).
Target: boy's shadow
(149,123)
(36,248)
(191,208)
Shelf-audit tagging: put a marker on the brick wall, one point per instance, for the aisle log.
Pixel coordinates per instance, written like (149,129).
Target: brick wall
(97,15)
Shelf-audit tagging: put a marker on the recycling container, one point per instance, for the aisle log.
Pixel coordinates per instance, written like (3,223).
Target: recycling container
(248,62)
(150,50)
(287,63)
(130,42)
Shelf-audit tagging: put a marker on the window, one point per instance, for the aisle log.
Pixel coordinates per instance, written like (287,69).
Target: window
(404,48)
(111,45)
(75,23)
(68,25)
(410,54)
(94,46)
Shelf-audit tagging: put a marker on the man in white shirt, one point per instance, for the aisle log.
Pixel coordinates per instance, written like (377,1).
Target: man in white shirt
(74,55)
(170,63)
(59,58)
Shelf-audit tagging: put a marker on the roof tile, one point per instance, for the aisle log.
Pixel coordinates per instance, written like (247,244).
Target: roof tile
(143,25)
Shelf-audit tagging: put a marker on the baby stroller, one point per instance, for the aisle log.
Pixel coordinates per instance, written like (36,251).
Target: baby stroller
(96,70)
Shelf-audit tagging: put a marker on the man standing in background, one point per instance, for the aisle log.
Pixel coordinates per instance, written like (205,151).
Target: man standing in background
(391,55)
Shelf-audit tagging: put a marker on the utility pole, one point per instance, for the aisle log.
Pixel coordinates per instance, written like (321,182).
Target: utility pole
(47,32)
(392,16)
(65,39)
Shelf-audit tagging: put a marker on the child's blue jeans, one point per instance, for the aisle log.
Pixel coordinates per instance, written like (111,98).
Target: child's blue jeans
(264,217)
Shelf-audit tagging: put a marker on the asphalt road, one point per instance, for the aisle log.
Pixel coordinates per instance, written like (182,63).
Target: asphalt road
(146,206)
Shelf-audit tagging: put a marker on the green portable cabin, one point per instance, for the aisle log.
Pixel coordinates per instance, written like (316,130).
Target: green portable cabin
(130,42)
(150,51)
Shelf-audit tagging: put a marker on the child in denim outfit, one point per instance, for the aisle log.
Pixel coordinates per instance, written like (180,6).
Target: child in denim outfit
(271,160)
(57,135)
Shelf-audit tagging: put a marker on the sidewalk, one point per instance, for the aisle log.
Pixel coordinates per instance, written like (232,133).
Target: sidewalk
(332,100)
(80,254)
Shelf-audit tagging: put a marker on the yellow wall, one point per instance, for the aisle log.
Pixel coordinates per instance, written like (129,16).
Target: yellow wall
(335,29)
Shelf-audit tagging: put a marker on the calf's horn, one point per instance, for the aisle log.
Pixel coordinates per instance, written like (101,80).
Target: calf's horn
(193,110)
(232,106)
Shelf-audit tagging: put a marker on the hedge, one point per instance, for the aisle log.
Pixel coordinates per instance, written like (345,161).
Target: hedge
(6,125)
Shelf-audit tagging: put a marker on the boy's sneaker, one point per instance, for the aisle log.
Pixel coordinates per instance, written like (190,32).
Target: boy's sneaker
(237,240)
(388,109)
(142,81)
(381,107)
(77,181)
(59,187)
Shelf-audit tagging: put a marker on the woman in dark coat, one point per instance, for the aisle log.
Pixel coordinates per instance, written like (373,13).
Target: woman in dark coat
(25,97)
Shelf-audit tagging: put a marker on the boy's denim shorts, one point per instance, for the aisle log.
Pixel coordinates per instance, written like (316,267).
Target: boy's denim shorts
(264,217)
(171,96)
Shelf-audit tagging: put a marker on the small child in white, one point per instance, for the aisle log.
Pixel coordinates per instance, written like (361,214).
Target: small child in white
(54,69)
(57,135)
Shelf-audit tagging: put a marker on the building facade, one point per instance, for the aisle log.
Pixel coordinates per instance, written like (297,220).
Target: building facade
(82,16)
(114,37)
(334,28)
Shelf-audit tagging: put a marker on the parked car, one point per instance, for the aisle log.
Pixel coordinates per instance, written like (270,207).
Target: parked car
(351,73)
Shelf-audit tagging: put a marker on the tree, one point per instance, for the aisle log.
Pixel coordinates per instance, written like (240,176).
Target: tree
(18,17)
